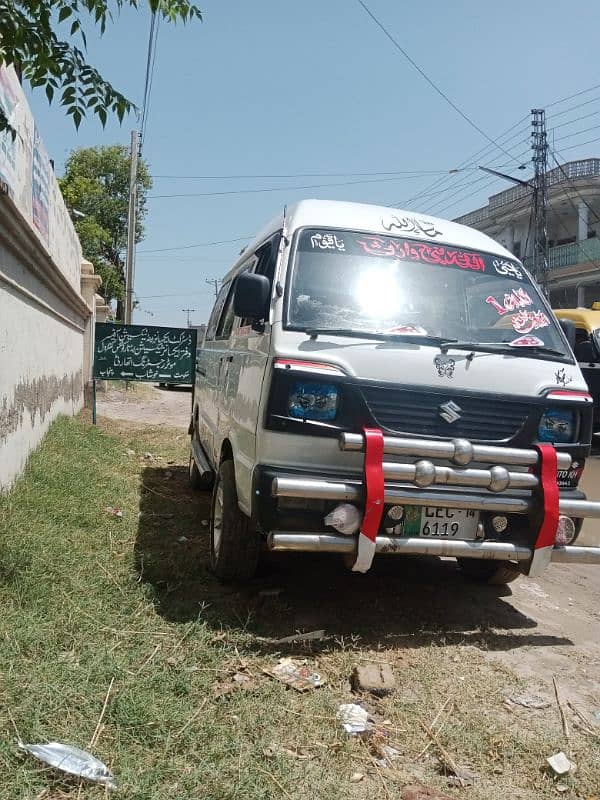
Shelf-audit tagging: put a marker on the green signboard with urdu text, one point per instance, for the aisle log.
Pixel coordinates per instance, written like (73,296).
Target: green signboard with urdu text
(144,353)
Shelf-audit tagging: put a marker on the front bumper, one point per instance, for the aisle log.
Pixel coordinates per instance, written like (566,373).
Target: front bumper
(292,503)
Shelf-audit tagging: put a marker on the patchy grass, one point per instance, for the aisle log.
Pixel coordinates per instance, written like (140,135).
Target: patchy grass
(88,599)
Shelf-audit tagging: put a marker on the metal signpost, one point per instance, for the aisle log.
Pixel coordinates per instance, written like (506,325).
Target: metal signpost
(143,353)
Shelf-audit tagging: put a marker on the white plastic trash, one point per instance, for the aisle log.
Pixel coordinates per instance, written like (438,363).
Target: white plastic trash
(345,518)
(354,718)
(73,761)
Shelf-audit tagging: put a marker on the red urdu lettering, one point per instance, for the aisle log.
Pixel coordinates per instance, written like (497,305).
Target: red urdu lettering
(493,302)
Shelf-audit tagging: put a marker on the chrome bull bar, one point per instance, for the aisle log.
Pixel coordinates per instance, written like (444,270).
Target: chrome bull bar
(391,545)
(423,476)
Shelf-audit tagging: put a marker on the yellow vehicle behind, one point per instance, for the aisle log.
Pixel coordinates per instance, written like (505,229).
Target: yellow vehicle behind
(587,349)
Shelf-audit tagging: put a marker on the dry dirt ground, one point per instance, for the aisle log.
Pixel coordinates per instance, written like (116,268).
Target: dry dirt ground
(147,403)
(538,628)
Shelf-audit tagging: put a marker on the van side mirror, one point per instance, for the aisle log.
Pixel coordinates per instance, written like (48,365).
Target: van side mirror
(251,295)
(584,352)
(568,327)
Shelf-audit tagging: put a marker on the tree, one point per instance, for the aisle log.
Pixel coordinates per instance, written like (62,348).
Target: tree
(96,190)
(31,41)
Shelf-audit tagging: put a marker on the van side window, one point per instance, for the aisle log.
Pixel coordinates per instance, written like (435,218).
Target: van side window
(227,316)
(267,258)
(216,312)
(266,261)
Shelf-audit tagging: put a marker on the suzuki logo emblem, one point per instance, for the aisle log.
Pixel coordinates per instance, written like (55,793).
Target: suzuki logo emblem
(450,412)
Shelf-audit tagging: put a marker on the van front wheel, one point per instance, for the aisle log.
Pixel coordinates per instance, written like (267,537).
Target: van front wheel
(234,543)
(496,573)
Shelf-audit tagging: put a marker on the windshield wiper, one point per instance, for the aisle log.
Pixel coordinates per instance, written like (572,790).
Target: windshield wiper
(381,337)
(497,347)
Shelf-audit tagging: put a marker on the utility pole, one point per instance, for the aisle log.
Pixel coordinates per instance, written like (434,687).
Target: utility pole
(188,311)
(131,225)
(214,283)
(539,145)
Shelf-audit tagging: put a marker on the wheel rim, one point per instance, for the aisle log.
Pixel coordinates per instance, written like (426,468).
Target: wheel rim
(217,521)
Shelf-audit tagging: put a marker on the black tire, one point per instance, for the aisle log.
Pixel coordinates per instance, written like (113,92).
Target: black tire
(234,542)
(495,573)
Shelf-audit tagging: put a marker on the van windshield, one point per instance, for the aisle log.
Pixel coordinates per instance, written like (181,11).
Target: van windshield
(346,280)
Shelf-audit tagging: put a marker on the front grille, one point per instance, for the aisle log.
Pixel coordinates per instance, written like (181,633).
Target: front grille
(418,412)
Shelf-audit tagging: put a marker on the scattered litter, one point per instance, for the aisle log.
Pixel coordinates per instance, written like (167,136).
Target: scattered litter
(239,680)
(378,679)
(560,764)
(597,714)
(274,750)
(113,511)
(73,761)
(270,592)
(130,452)
(386,755)
(357,777)
(463,777)
(296,674)
(150,457)
(310,636)
(345,518)
(168,474)
(562,787)
(420,792)
(354,718)
(582,722)
(530,701)
(204,523)
(182,539)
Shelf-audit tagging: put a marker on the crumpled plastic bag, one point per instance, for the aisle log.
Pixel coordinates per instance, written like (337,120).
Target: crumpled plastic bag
(345,518)
(73,761)
(354,718)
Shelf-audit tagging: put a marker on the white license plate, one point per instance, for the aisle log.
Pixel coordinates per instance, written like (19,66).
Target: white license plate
(449,523)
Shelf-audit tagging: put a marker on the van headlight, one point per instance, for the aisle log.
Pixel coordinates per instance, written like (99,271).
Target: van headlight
(313,400)
(557,426)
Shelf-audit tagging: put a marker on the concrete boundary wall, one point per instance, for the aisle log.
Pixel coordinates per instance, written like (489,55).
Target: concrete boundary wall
(45,325)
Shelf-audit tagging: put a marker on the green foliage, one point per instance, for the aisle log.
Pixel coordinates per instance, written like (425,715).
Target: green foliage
(96,184)
(31,40)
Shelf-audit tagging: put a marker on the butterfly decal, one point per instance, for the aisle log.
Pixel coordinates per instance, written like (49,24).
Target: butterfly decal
(445,366)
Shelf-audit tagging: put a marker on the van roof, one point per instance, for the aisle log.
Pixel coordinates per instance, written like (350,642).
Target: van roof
(378,220)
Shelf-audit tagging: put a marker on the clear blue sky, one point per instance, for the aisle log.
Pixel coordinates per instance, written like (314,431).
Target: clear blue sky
(274,88)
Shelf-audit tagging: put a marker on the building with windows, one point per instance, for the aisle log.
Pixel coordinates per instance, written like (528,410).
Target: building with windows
(573,229)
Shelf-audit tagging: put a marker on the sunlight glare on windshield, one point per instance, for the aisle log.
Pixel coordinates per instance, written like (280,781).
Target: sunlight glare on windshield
(378,292)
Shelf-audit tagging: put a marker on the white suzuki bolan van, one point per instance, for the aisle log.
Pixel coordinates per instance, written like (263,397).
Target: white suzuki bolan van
(377,382)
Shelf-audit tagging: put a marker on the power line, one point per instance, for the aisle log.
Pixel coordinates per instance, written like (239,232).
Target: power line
(227,192)
(415,172)
(174,294)
(572,185)
(149,77)
(577,133)
(423,74)
(481,153)
(580,144)
(200,244)
(577,119)
(572,96)
(574,108)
